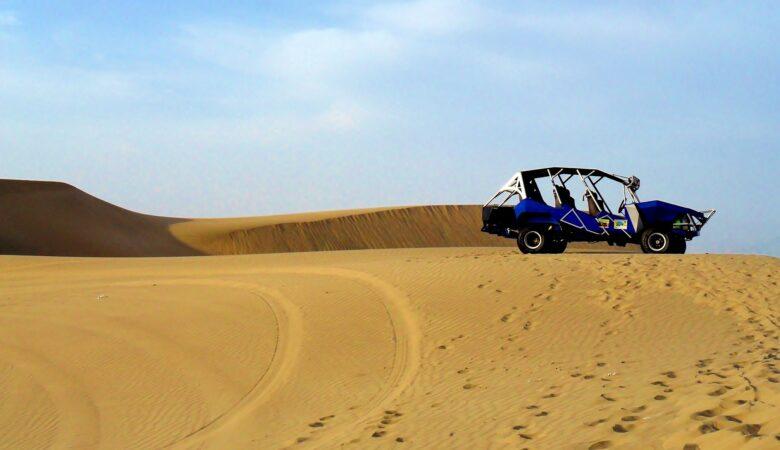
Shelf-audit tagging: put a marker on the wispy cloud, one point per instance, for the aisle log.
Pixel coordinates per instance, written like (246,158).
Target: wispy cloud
(429,16)
(65,85)
(592,24)
(8,18)
(310,61)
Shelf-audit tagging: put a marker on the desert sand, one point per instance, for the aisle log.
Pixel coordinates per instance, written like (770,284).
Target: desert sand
(464,346)
(438,348)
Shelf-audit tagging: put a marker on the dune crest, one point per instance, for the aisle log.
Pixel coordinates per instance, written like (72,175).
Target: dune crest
(56,219)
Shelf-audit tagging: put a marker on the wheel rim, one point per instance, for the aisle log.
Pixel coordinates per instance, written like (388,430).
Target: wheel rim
(657,241)
(532,240)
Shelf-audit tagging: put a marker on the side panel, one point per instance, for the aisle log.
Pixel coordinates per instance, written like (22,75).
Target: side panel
(656,213)
(532,212)
(635,218)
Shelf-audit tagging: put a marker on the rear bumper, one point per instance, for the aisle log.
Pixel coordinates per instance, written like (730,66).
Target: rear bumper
(498,230)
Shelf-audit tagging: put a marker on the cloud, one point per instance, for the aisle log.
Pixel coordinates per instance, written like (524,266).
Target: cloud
(8,18)
(593,24)
(429,16)
(317,54)
(308,74)
(307,58)
(57,85)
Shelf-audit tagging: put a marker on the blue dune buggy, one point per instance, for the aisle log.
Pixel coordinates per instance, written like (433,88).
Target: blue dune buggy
(519,211)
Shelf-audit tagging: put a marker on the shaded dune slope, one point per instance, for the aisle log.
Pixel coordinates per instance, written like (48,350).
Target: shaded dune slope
(57,219)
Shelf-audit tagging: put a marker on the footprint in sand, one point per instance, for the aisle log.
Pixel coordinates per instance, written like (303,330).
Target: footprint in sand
(619,428)
(708,427)
(595,422)
(704,414)
(717,392)
(750,430)
(600,445)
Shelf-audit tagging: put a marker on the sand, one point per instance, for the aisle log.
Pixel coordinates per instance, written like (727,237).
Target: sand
(57,219)
(407,348)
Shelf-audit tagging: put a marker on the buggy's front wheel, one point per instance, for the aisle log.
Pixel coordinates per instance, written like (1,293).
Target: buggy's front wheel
(557,245)
(532,240)
(657,241)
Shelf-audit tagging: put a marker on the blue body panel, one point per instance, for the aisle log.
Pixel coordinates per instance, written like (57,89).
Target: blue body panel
(581,226)
(656,213)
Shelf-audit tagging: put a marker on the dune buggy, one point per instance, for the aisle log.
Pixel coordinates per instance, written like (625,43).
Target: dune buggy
(519,211)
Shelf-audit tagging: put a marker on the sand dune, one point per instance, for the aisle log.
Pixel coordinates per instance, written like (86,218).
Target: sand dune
(49,218)
(56,219)
(417,348)
(400,227)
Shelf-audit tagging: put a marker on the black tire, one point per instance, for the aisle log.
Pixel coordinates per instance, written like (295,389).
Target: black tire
(678,245)
(557,245)
(657,242)
(532,241)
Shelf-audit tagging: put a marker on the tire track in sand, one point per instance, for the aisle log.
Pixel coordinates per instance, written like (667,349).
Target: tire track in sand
(406,335)
(406,360)
(289,334)
(78,419)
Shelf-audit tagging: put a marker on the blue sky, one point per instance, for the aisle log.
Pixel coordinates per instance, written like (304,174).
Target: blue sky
(192,109)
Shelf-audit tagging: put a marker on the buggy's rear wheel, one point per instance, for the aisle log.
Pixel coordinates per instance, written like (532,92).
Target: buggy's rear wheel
(657,241)
(678,245)
(532,240)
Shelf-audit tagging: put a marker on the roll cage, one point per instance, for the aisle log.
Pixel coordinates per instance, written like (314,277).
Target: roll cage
(523,184)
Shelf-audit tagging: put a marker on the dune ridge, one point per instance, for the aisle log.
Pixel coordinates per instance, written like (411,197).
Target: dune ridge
(398,227)
(56,219)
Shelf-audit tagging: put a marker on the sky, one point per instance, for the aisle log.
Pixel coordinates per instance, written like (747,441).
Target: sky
(193,109)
